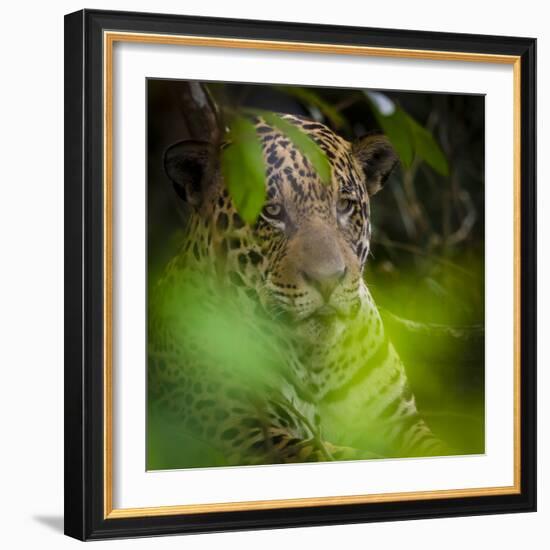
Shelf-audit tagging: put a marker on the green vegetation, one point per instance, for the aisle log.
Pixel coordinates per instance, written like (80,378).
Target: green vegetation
(426,268)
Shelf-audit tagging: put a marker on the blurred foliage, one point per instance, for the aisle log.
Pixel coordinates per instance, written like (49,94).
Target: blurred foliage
(232,339)
(426,268)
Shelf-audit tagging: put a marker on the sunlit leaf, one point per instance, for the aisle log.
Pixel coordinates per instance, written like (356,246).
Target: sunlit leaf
(307,146)
(243,169)
(407,136)
(397,128)
(384,104)
(427,148)
(310,97)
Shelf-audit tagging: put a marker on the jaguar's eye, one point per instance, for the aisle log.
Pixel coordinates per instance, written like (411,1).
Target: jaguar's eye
(273,211)
(344,206)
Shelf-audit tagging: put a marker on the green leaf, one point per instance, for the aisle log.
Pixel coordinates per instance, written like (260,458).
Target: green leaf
(243,169)
(309,96)
(408,137)
(427,148)
(398,131)
(307,146)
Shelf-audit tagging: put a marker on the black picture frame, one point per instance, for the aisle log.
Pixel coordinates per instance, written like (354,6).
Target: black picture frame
(84,282)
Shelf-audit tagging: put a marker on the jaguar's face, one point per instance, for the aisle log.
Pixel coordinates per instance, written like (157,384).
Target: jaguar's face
(305,255)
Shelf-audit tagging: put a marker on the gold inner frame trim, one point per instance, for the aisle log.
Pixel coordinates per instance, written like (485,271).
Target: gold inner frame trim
(109,39)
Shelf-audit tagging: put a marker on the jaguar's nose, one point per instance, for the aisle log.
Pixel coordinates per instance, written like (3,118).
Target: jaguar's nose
(325,281)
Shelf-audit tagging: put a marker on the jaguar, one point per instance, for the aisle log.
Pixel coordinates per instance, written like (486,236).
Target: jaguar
(321,379)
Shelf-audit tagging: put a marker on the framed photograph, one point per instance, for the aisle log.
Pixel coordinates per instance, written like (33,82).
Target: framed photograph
(300,274)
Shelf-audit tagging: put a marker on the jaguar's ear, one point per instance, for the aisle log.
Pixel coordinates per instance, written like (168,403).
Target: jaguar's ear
(185,164)
(377,157)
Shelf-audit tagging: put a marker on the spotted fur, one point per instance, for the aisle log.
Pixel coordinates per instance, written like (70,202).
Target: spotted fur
(331,368)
